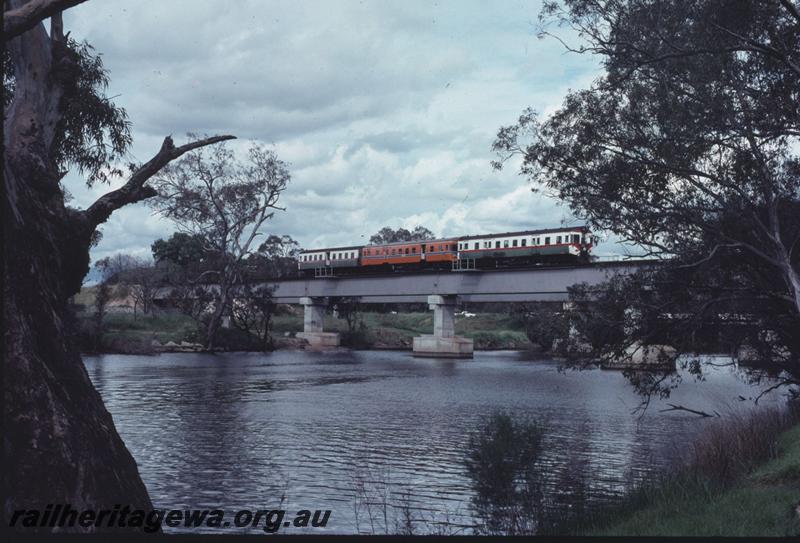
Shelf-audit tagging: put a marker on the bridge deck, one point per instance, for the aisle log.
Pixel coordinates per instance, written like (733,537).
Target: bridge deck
(545,284)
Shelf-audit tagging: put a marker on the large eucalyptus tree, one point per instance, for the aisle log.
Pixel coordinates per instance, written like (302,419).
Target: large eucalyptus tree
(59,441)
(687,146)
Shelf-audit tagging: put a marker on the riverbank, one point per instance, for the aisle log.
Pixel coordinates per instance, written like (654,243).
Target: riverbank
(126,333)
(742,479)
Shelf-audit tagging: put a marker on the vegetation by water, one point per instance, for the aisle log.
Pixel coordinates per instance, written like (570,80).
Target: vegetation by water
(742,480)
(126,331)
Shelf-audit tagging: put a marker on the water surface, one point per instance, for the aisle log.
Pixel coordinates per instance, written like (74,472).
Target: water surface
(370,433)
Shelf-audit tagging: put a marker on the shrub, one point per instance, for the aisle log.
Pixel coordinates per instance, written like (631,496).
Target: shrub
(502,465)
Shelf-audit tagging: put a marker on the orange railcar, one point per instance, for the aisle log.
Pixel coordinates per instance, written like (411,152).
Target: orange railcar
(410,252)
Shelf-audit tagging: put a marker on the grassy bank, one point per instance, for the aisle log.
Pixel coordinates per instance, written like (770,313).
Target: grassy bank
(397,330)
(124,332)
(742,478)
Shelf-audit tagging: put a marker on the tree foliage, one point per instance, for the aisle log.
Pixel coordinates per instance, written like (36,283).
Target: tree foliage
(252,312)
(502,465)
(276,257)
(687,146)
(180,248)
(388,235)
(92,133)
(222,202)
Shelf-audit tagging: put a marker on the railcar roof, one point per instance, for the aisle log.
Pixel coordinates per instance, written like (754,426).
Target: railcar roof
(582,228)
(414,242)
(331,249)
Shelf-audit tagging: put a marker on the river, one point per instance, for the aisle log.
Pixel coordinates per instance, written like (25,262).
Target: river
(370,434)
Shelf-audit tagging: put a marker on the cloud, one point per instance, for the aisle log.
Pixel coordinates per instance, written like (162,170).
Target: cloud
(385,111)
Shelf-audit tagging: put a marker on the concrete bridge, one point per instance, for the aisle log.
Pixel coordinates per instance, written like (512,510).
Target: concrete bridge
(442,291)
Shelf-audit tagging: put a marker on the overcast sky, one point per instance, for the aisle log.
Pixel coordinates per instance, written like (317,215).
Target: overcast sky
(385,110)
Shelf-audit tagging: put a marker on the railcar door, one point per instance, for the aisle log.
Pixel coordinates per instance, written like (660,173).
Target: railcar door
(423,246)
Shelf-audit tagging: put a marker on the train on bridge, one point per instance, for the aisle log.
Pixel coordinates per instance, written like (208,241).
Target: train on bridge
(489,251)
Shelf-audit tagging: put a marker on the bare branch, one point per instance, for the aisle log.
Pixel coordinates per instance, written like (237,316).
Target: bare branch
(21,19)
(776,386)
(135,190)
(673,407)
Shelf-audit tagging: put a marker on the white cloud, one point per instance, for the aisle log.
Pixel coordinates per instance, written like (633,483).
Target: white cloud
(386,111)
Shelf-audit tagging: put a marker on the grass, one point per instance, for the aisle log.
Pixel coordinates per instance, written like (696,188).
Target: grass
(383,330)
(397,330)
(161,326)
(760,501)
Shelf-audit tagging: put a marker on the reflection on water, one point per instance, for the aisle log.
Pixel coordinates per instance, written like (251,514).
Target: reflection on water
(370,433)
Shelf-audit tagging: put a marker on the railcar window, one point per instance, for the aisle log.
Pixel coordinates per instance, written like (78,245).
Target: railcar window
(505,243)
(524,242)
(576,238)
(413,250)
(496,244)
(558,239)
(514,243)
(477,245)
(547,240)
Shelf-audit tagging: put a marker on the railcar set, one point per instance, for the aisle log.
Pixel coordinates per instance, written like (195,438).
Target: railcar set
(488,251)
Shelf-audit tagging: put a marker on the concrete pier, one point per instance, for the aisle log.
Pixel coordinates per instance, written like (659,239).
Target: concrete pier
(443,342)
(313,321)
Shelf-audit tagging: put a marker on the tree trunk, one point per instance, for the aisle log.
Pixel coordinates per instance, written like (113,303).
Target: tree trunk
(216,316)
(221,305)
(59,441)
(793,282)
